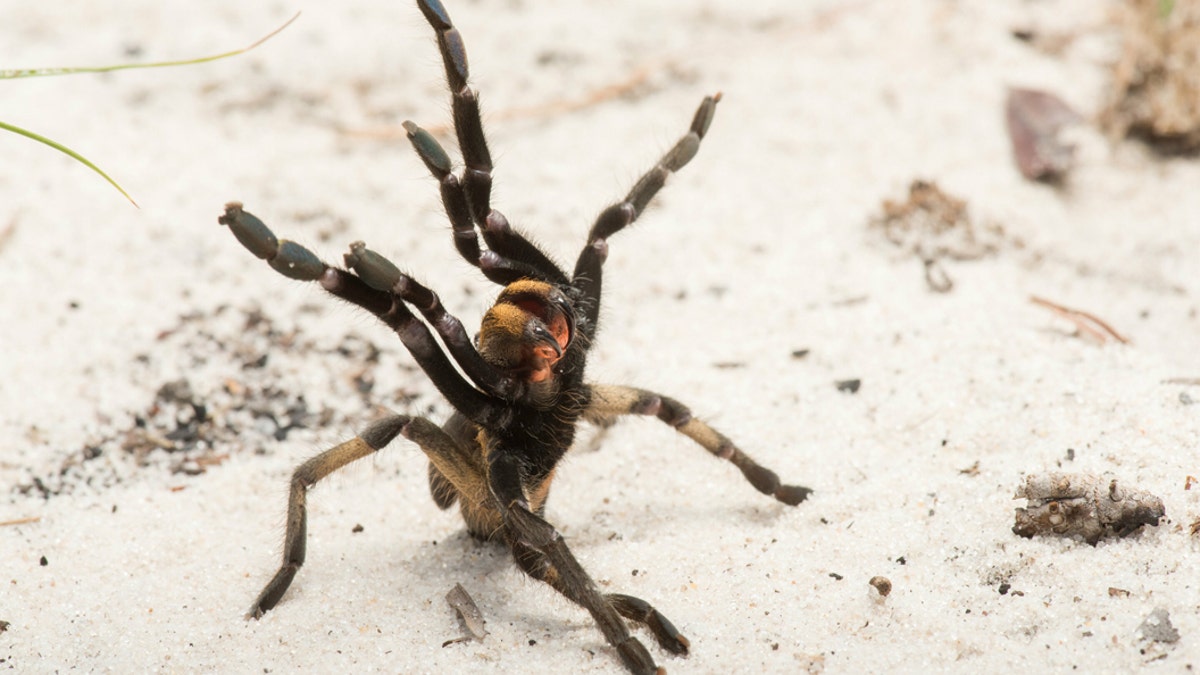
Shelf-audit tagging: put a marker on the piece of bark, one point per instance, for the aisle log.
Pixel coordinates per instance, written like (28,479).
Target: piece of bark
(1035,119)
(1083,505)
(468,611)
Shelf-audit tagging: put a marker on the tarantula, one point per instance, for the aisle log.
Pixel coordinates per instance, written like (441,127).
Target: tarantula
(524,392)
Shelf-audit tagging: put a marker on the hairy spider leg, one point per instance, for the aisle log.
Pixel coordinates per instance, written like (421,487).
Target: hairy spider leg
(461,467)
(295,261)
(606,402)
(530,536)
(373,439)
(467,199)
(538,566)
(588,277)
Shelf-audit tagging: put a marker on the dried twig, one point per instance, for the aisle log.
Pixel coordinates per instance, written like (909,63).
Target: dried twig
(20,521)
(540,110)
(1085,322)
(8,231)
(1083,505)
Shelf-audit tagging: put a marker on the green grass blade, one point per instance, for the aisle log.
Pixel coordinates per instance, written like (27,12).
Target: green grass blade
(69,152)
(45,72)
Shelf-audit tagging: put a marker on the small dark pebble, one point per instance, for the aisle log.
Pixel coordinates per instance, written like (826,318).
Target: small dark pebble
(356,529)
(4,626)
(799,353)
(881,584)
(43,562)
(532,642)
(836,576)
(902,560)
(850,386)
(1004,589)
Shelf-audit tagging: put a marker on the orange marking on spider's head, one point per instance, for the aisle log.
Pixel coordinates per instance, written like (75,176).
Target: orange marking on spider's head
(528,330)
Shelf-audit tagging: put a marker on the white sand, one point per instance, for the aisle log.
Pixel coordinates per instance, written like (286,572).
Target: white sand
(759,248)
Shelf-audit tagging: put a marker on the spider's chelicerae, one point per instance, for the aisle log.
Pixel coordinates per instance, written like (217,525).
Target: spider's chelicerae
(524,392)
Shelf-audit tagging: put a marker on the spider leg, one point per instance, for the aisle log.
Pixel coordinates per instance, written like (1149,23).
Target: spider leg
(610,401)
(371,440)
(468,200)
(588,276)
(536,565)
(382,274)
(295,261)
(526,530)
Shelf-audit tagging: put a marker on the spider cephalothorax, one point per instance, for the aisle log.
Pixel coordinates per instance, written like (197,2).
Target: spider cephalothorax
(528,330)
(524,393)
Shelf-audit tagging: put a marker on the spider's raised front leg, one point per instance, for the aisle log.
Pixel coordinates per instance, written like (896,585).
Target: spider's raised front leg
(467,200)
(588,268)
(382,290)
(609,401)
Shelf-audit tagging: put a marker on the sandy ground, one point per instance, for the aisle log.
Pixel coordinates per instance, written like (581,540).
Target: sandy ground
(136,559)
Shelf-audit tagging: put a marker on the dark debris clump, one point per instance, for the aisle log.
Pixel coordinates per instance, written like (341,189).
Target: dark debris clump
(241,387)
(1086,506)
(1155,92)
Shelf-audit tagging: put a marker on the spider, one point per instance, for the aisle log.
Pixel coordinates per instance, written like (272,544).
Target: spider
(521,390)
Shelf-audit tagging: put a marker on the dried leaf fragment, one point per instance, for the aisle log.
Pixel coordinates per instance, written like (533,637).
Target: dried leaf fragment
(1034,120)
(1083,505)
(468,612)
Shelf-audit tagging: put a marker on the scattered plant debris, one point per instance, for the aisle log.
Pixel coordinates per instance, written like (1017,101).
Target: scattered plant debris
(1034,120)
(933,226)
(849,386)
(1155,93)
(1085,323)
(20,521)
(237,389)
(1083,505)
(468,613)
(1157,627)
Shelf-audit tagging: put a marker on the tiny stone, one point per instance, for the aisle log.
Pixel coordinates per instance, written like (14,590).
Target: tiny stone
(849,386)
(881,584)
